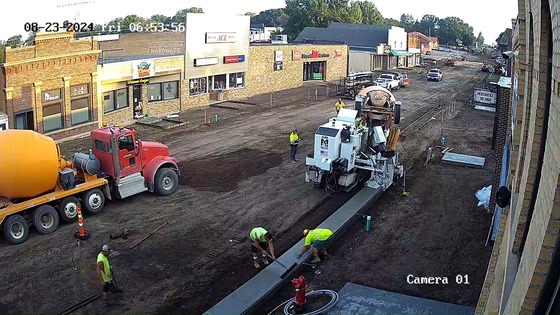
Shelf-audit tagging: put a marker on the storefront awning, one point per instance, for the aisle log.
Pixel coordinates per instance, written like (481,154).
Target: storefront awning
(400,53)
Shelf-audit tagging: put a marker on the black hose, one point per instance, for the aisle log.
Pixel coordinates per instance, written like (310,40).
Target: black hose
(331,190)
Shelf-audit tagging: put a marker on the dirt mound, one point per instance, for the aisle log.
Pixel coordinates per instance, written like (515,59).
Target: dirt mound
(222,173)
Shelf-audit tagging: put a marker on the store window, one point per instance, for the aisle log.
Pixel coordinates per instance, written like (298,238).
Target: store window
(219,82)
(236,80)
(79,104)
(154,92)
(198,86)
(163,91)
(170,90)
(114,100)
(52,110)
(314,71)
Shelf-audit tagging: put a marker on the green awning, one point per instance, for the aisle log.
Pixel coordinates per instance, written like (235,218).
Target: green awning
(400,53)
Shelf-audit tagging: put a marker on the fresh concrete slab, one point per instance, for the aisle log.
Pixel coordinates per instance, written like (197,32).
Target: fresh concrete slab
(266,282)
(489,109)
(463,160)
(355,299)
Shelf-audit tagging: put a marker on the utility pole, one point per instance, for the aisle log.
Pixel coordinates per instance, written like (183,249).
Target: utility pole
(76,6)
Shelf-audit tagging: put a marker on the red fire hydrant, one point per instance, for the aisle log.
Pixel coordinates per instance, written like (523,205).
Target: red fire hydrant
(300,284)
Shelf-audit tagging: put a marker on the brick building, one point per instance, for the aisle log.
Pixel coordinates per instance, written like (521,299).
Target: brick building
(51,86)
(65,87)
(419,41)
(524,270)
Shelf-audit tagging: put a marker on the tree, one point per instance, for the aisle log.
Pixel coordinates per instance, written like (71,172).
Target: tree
(159,18)
(391,22)
(181,15)
(271,17)
(407,22)
(480,40)
(251,14)
(14,41)
(429,24)
(30,39)
(502,41)
(2,48)
(370,14)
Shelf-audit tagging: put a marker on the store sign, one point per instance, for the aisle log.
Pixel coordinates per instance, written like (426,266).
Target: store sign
(213,38)
(79,90)
(338,53)
(278,56)
(278,65)
(387,49)
(234,59)
(138,81)
(484,96)
(143,69)
(50,96)
(206,61)
(314,54)
(296,55)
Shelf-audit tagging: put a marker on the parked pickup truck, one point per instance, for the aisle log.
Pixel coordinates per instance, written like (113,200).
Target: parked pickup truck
(435,75)
(389,81)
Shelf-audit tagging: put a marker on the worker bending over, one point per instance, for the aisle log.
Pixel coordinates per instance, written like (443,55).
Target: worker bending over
(339,105)
(320,239)
(294,141)
(261,240)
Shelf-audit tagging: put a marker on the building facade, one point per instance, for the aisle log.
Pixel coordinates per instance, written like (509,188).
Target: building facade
(524,270)
(138,88)
(65,87)
(372,47)
(51,87)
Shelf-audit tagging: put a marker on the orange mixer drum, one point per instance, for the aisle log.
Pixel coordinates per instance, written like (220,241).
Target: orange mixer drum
(28,164)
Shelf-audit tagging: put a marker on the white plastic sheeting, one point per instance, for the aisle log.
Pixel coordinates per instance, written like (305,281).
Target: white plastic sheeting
(483,196)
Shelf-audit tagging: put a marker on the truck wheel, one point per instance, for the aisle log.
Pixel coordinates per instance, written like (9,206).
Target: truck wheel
(352,93)
(16,229)
(397,117)
(93,201)
(45,219)
(68,209)
(166,181)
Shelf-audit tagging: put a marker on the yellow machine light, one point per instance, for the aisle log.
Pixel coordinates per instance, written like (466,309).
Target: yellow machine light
(104,124)
(121,126)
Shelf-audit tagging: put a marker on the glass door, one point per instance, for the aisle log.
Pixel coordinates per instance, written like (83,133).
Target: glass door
(136,100)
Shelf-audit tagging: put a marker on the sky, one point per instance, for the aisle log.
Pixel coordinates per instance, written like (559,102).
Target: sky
(493,19)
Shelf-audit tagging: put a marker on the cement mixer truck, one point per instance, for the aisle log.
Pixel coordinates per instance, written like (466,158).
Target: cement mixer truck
(359,144)
(38,186)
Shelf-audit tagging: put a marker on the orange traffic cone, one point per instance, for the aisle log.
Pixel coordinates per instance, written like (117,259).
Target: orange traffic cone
(81,234)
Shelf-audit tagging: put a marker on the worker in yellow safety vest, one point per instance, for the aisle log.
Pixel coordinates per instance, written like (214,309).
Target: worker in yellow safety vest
(105,273)
(294,141)
(261,241)
(339,105)
(320,239)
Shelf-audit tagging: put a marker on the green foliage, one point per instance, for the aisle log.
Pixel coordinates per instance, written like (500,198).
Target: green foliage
(502,41)
(320,13)
(272,17)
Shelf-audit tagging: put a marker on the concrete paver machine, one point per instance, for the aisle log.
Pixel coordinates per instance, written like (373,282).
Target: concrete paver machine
(359,144)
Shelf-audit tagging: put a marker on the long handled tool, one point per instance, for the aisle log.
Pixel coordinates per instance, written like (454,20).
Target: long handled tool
(115,279)
(276,260)
(288,269)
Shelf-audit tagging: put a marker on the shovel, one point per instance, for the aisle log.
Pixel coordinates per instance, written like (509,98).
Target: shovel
(115,279)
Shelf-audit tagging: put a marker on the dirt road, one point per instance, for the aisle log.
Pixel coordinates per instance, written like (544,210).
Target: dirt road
(235,175)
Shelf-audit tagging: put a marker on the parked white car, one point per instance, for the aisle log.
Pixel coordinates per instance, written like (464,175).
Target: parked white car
(434,74)
(389,81)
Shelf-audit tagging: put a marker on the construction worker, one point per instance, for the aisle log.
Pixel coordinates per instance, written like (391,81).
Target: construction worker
(320,239)
(105,273)
(261,240)
(294,141)
(339,105)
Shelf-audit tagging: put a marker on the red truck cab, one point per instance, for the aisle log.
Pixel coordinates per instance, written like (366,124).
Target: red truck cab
(134,166)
